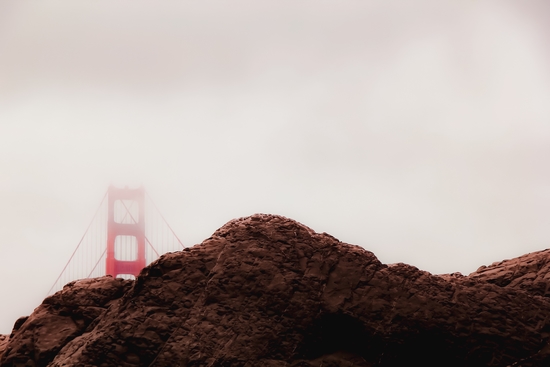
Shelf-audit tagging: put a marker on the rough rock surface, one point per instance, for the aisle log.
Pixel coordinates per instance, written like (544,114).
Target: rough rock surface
(35,340)
(266,290)
(530,272)
(3,343)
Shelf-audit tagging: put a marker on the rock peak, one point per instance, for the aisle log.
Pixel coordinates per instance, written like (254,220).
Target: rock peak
(262,222)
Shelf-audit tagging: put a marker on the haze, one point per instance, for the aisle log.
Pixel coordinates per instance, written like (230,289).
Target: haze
(418,130)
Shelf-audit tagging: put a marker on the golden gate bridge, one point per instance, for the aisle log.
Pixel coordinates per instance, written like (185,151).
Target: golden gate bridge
(127,233)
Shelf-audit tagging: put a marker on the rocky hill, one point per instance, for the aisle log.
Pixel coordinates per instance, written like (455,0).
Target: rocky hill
(268,291)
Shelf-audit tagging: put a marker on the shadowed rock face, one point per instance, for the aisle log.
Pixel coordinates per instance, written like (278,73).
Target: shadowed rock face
(266,290)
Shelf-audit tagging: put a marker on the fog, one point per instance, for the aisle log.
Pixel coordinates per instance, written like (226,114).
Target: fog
(418,130)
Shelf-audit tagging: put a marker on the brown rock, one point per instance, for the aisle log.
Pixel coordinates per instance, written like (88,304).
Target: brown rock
(530,272)
(36,340)
(3,343)
(266,290)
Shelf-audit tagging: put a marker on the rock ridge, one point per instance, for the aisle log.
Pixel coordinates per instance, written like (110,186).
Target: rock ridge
(267,290)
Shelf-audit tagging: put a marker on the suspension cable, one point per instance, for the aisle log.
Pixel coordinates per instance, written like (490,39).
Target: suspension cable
(97,263)
(158,211)
(79,243)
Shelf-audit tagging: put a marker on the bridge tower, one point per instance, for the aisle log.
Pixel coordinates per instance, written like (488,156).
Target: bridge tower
(125,232)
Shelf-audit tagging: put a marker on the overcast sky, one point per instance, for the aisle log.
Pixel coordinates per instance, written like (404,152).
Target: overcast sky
(419,130)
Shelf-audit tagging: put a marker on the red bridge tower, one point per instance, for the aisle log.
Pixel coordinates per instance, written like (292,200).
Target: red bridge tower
(125,232)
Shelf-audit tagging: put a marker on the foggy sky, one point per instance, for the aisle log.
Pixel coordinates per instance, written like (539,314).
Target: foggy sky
(418,130)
